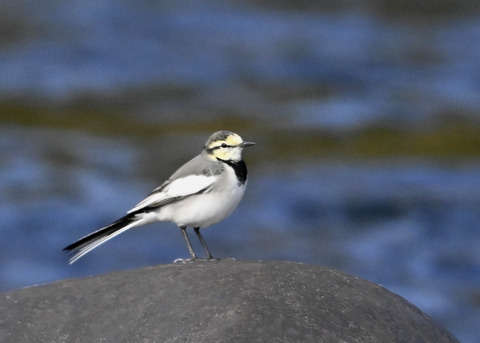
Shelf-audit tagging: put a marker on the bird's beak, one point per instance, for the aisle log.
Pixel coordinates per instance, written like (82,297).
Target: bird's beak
(246,144)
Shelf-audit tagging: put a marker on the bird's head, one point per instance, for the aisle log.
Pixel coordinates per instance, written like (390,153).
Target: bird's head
(225,145)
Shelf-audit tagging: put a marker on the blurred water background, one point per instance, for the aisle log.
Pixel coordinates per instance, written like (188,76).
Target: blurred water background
(366,117)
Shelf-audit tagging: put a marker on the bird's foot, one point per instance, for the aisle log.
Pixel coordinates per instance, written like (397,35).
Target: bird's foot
(184,260)
(213,259)
(188,260)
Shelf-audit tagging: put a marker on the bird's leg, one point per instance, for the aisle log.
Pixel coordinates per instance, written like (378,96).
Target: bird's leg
(204,244)
(189,245)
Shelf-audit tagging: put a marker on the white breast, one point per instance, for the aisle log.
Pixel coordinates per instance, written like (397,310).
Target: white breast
(205,209)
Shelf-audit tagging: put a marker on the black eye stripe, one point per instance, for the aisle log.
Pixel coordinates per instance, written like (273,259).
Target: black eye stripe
(222,146)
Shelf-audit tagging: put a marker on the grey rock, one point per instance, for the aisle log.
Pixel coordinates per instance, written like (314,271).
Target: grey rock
(215,301)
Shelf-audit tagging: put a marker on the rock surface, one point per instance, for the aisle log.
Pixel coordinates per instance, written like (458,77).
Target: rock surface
(215,301)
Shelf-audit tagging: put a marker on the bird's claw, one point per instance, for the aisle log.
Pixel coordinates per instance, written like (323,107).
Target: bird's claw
(184,260)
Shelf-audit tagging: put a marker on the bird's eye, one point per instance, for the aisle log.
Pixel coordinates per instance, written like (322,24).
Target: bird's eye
(224,145)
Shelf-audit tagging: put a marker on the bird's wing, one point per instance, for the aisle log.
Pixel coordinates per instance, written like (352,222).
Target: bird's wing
(175,190)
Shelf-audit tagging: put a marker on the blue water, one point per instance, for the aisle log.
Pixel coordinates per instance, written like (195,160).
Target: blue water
(410,224)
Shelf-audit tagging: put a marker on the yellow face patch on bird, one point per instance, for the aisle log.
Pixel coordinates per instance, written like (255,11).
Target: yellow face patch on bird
(225,145)
(233,139)
(223,138)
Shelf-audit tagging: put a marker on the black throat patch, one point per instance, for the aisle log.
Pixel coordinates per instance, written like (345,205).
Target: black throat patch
(240,169)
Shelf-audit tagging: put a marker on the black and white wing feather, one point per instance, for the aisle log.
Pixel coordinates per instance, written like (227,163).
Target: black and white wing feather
(175,190)
(169,192)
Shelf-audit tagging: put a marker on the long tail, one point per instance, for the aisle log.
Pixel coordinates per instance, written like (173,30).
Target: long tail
(93,240)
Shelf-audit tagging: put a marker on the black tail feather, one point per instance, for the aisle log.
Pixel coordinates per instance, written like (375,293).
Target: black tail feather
(105,231)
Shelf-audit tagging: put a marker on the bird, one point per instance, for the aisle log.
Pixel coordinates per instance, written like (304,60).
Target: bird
(202,192)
